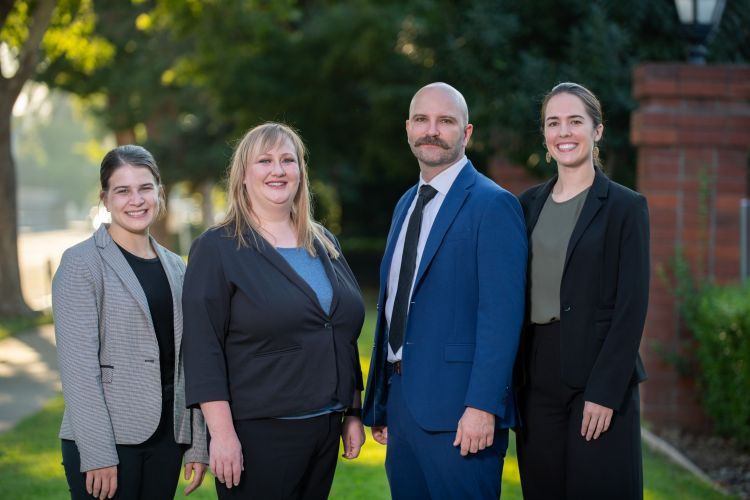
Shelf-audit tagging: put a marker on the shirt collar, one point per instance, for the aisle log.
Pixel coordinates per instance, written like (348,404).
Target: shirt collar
(444,180)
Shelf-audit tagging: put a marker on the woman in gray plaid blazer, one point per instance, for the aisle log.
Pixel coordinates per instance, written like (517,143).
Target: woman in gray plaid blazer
(118,324)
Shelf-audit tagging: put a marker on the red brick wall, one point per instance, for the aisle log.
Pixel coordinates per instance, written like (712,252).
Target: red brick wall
(692,128)
(510,176)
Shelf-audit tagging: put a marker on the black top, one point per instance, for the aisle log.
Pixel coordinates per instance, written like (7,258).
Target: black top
(155,284)
(256,335)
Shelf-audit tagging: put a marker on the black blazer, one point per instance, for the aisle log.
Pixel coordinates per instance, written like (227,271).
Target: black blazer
(604,289)
(255,334)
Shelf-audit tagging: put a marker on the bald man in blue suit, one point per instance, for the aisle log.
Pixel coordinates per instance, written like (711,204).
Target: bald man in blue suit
(450,312)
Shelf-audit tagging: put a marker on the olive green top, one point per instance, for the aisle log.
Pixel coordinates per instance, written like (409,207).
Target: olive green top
(549,244)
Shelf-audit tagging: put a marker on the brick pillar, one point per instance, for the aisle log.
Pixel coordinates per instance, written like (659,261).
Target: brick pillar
(692,131)
(510,176)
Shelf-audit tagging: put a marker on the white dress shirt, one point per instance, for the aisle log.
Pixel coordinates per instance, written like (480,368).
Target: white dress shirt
(442,183)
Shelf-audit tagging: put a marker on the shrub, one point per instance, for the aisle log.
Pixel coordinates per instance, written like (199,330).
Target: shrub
(719,317)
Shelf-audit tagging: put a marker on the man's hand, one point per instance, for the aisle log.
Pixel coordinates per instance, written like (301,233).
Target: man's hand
(596,419)
(102,483)
(197,470)
(380,434)
(476,431)
(353,437)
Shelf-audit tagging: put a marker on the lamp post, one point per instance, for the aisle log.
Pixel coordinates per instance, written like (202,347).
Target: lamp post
(699,18)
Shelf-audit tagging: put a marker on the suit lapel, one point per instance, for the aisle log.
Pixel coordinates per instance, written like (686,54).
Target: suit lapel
(540,197)
(113,256)
(331,273)
(175,284)
(448,210)
(398,222)
(280,263)
(594,201)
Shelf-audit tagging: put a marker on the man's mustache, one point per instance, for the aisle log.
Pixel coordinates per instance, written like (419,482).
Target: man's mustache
(431,141)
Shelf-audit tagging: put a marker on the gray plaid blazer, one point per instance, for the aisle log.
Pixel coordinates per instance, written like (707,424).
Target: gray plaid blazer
(109,356)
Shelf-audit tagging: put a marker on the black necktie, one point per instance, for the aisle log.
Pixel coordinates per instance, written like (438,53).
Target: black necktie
(406,273)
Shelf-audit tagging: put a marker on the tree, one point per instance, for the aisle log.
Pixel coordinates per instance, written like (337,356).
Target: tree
(196,74)
(11,298)
(29,29)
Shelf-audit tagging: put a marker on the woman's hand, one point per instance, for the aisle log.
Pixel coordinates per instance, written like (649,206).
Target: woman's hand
(225,451)
(225,458)
(596,419)
(102,483)
(197,470)
(353,437)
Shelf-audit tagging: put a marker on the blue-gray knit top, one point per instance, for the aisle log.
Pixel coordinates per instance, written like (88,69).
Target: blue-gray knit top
(312,271)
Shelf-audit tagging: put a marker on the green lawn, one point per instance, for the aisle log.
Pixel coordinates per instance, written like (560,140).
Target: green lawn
(30,463)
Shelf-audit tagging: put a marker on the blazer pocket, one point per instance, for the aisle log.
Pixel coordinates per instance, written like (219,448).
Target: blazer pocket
(459,353)
(278,352)
(107,373)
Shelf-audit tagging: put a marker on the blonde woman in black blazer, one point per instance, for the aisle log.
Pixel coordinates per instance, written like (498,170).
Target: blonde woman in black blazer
(272,316)
(589,239)
(118,323)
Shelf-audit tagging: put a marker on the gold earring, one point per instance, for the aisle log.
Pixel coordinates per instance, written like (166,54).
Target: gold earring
(595,154)
(548,157)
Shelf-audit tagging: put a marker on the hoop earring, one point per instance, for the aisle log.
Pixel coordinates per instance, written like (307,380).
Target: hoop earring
(548,157)
(595,154)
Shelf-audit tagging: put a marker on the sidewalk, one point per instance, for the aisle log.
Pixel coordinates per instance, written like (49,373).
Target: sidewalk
(28,374)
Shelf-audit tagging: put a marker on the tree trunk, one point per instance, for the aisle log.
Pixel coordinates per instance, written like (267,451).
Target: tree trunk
(12,304)
(11,297)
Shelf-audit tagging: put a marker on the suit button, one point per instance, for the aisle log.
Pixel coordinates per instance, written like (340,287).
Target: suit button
(567,309)
(327,325)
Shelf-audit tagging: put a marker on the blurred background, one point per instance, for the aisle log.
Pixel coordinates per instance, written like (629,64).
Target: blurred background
(186,78)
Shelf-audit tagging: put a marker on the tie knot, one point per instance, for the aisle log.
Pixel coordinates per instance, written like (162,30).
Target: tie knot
(427,192)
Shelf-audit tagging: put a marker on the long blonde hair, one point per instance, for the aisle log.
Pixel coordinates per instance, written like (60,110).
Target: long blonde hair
(240,215)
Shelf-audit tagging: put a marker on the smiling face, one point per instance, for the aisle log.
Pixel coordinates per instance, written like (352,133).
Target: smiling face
(570,133)
(132,199)
(272,179)
(436,130)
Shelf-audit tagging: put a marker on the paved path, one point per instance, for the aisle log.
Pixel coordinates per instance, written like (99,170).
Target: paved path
(28,361)
(28,374)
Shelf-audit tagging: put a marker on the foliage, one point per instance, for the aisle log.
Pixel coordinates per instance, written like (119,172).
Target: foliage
(58,146)
(190,77)
(13,326)
(719,317)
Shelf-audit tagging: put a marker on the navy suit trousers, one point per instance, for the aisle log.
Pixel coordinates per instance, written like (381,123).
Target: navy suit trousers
(426,465)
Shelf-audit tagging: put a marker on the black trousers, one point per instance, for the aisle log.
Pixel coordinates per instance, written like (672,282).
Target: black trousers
(555,461)
(147,471)
(286,459)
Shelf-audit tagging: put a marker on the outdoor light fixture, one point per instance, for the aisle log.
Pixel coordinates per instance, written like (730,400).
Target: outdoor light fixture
(699,18)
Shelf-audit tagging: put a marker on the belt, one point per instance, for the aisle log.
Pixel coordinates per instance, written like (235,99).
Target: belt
(396,367)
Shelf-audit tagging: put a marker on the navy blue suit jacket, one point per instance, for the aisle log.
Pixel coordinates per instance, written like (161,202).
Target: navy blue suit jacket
(466,313)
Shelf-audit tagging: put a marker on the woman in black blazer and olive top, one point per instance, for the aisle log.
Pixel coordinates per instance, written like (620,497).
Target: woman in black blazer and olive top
(588,295)
(272,316)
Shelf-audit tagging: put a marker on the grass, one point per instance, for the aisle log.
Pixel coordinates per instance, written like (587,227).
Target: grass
(13,326)
(30,467)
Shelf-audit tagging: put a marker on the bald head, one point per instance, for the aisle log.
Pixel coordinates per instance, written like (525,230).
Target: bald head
(444,91)
(438,128)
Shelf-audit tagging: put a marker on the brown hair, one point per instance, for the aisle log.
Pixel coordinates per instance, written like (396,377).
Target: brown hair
(240,216)
(135,156)
(590,103)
